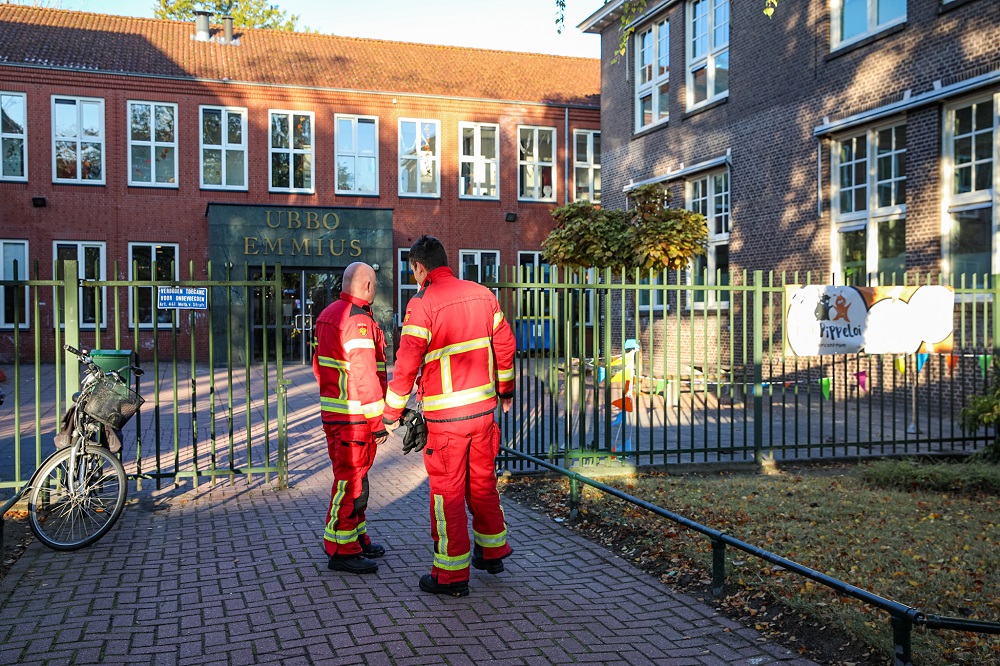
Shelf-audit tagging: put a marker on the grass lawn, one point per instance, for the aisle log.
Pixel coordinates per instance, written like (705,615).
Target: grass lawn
(926,536)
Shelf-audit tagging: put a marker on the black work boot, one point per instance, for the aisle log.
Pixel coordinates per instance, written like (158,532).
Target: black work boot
(490,566)
(357,563)
(372,550)
(428,583)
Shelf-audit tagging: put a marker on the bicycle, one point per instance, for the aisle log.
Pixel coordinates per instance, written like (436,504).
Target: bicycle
(78,493)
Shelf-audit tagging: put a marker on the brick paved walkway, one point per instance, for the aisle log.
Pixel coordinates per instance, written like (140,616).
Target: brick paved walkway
(236,575)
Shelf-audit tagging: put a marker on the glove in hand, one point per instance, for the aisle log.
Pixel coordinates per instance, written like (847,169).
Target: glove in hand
(416,431)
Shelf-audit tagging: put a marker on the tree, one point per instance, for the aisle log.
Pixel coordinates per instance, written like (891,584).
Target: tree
(650,235)
(247,13)
(983,411)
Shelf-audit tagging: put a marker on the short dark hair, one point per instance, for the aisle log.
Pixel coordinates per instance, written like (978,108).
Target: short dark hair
(429,251)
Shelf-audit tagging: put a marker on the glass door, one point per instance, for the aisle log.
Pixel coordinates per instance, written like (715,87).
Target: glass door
(304,294)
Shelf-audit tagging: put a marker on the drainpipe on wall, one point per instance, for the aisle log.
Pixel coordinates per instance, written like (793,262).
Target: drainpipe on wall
(566,157)
(201,33)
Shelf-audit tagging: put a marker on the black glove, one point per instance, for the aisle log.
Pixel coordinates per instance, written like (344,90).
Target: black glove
(416,431)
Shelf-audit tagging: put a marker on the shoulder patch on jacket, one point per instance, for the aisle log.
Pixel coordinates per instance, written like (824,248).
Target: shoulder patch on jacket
(363,330)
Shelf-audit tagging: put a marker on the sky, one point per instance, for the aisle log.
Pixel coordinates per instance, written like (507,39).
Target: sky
(511,25)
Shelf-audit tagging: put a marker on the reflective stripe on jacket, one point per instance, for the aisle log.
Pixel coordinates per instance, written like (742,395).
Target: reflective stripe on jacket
(453,330)
(349,364)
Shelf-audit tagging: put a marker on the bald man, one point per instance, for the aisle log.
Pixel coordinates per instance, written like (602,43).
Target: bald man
(349,364)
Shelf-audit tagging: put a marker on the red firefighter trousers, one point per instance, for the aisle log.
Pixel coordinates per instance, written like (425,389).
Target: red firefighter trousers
(352,451)
(460,462)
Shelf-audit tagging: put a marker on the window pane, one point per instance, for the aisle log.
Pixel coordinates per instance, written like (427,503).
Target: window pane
(165,165)
(891,251)
(141,170)
(428,138)
(853,249)
(235,168)
(699,79)
(971,247)
(235,128)
(582,148)
(90,118)
(280,176)
(65,118)
(140,122)
(279,130)
(303,132)
(545,145)
(527,174)
(663,100)
(853,18)
(142,262)
(366,177)
(646,110)
(303,171)
(211,128)
(468,141)
(889,10)
(345,173)
(583,183)
(91,166)
(11,114)
(526,145)
(13,157)
(408,176)
(211,160)
(428,177)
(408,139)
(345,135)
(963,120)
(984,115)
(722,72)
(165,124)
(488,136)
(366,137)
(597,148)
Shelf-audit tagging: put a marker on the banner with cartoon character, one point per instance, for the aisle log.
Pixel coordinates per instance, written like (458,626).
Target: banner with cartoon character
(822,319)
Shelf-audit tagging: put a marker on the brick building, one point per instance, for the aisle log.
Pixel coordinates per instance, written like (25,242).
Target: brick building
(141,147)
(857,140)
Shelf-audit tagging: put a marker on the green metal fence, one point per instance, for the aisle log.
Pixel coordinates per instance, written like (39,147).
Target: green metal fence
(214,406)
(710,378)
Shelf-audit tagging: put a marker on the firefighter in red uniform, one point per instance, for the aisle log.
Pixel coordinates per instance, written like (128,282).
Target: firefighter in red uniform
(350,367)
(455,335)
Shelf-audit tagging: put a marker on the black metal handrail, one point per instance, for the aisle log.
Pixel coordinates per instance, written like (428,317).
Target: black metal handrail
(902,617)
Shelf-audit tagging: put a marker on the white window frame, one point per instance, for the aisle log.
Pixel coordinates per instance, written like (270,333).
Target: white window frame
(872,215)
(6,137)
(427,160)
(82,274)
(871,17)
(479,162)
(22,274)
(652,73)
(988,198)
(539,268)
(291,151)
(403,286)
(152,144)
(152,247)
(591,162)
(224,148)
(79,140)
(478,255)
(534,160)
(357,154)
(657,300)
(716,48)
(712,194)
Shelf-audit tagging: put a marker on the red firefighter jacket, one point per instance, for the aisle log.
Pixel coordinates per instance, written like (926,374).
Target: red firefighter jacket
(453,330)
(349,364)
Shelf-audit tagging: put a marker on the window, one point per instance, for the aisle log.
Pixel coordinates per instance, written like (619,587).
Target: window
(78,140)
(13,136)
(13,266)
(407,284)
(709,196)
(357,154)
(152,144)
(587,165)
(869,206)
(970,158)
(536,163)
(651,298)
(90,266)
(479,161)
(150,262)
(419,158)
(652,75)
(223,148)
(479,265)
(707,51)
(854,20)
(290,144)
(533,303)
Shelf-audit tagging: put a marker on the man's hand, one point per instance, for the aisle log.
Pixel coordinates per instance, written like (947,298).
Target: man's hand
(505,404)
(381,439)
(390,427)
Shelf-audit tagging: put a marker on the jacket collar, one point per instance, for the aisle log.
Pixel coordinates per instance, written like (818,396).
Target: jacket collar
(361,303)
(438,274)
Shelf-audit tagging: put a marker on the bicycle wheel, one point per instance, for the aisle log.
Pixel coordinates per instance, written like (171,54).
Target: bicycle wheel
(67,516)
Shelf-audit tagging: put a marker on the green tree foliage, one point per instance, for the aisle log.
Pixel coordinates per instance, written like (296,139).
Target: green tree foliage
(247,13)
(983,411)
(650,235)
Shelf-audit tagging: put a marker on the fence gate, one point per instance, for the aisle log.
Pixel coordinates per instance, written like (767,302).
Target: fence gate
(213,383)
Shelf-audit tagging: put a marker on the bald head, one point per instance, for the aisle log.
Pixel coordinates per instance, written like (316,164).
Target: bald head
(359,281)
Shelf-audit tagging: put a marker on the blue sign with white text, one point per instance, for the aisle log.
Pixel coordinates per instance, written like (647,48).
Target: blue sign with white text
(184,298)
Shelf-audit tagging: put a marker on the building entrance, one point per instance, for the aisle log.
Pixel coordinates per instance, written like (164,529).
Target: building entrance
(304,294)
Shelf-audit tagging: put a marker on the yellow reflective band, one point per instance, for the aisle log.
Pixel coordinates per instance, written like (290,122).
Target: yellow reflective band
(459,398)
(330,362)
(380,366)
(362,528)
(458,348)
(394,400)
(490,540)
(331,533)
(497,319)
(506,375)
(338,406)
(373,409)
(456,563)
(446,385)
(442,529)
(360,343)
(417,332)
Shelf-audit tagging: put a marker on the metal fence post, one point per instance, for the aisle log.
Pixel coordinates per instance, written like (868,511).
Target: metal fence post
(901,655)
(71,323)
(758,362)
(574,499)
(718,566)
